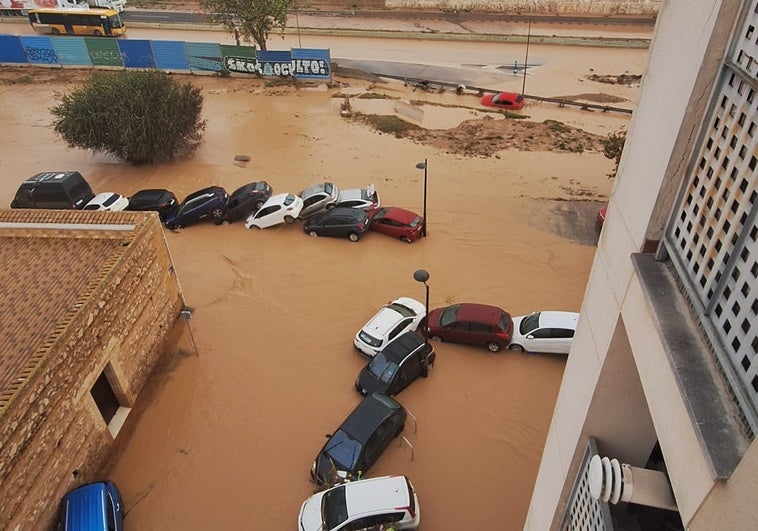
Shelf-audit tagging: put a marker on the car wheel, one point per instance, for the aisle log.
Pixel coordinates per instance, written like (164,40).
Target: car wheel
(354,237)
(329,207)
(256,227)
(313,233)
(493,347)
(56,31)
(97,33)
(436,338)
(176,226)
(289,220)
(406,239)
(225,222)
(259,205)
(216,213)
(515,348)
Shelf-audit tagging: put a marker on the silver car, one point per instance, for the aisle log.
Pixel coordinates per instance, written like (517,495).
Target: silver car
(317,198)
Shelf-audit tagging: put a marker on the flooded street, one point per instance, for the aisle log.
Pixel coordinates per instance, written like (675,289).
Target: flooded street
(225,434)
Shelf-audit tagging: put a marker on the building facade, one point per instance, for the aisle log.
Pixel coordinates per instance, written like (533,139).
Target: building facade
(89,301)
(662,378)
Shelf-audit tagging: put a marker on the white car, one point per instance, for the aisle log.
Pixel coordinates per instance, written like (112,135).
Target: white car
(546,331)
(374,503)
(279,208)
(107,201)
(401,315)
(363,198)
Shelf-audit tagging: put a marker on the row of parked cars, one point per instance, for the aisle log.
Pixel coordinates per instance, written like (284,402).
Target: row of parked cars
(325,209)
(398,355)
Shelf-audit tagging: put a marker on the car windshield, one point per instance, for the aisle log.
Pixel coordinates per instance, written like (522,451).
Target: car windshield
(111,199)
(343,450)
(448,315)
(402,310)
(529,323)
(289,199)
(505,321)
(380,214)
(333,507)
(260,185)
(415,222)
(369,339)
(328,188)
(382,368)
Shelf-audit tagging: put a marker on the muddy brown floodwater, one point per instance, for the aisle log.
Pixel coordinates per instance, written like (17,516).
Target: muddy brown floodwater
(225,435)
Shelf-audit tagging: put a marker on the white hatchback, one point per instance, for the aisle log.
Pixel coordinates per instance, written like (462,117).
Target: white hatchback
(401,315)
(107,201)
(546,331)
(279,208)
(387,502)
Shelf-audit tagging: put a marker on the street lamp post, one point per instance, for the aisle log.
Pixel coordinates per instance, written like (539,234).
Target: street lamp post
(422,275)
(423,166)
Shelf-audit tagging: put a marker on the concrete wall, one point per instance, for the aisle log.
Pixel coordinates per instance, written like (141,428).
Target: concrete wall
(594,7)
(53,437)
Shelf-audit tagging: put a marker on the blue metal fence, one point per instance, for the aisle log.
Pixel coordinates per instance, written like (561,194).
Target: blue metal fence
(173,56)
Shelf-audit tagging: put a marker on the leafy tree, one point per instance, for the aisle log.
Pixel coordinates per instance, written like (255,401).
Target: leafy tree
(249,20)
(613,147)
(141,117)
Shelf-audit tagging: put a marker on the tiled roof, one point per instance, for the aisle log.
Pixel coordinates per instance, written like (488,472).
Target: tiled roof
(50,262)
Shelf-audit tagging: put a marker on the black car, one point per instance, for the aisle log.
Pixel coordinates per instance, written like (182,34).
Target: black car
(207,203)
(154,199)
(397,365)
(341,222)
(244,201)
(360,440)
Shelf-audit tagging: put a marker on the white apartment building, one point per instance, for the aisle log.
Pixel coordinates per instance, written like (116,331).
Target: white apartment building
(662,378)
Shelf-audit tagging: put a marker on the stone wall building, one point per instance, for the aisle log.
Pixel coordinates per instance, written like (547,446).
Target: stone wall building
(89,300)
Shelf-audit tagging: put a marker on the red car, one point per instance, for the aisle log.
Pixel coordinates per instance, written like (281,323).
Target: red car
(397,222)
(472,324)
(600,219)
(504,100)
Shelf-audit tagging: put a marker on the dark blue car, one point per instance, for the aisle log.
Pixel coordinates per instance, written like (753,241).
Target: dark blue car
(207,203)
(92,507)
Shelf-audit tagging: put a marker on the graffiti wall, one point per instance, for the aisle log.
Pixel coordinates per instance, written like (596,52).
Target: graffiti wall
(171,56)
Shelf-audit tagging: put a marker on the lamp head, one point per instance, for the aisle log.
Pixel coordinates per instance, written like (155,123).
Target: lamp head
(421,275)
(421,165)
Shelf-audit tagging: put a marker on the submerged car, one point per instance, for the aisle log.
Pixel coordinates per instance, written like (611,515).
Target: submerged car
(398,223)
(363,198)
(504,100)
(359,441)
(154,199)
(280,208)
(339,222)
(202,205)
(600,218)
(107,201)
(545,331)
(472,324)
(401,315)
(244,201)
(397,365)
(317,198)
(386,502)
(92,507)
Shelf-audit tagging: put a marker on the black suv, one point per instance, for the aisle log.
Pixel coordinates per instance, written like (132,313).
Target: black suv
(244,201)
(359,441)
(341,222)
(54,189)
(397,365)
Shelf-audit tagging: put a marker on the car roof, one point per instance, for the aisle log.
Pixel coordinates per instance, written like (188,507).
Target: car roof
(86,506)
(376,494)
(399,214)
(352,194)
(557,319)
(403,345)
(209,191)
(347,212)
(364,419)
(151,193)
(315,189)
(480,313)
(386,318)
(277,199)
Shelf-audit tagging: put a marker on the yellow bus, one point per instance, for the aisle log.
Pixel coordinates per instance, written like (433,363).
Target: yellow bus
(97,22)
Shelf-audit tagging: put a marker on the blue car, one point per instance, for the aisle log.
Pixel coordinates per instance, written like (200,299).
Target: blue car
(204,204)
(93,507)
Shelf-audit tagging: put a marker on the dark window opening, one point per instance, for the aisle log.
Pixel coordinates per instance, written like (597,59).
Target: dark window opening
(105,398)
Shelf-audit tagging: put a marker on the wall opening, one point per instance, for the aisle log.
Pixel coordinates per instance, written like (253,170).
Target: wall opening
(105,397)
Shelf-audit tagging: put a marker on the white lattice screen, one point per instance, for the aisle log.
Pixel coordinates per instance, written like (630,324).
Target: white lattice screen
(584,513)
(714,238)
